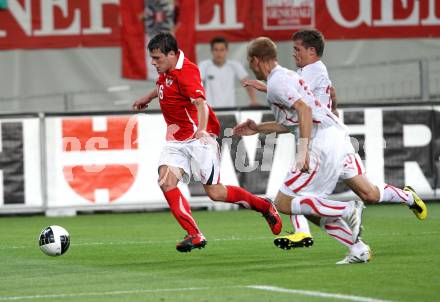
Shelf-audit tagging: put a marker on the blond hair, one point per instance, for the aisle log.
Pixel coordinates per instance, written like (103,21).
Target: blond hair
(263,48)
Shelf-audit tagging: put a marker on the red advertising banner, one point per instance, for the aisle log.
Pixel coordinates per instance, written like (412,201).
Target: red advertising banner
(336,19)
(91,23)
(59,24)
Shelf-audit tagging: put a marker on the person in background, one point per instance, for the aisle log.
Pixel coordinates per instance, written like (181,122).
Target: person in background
(219,75)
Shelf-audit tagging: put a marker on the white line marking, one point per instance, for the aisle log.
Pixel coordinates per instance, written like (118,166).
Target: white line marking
(232,238)
(143,291)
(111,293)
(316,293)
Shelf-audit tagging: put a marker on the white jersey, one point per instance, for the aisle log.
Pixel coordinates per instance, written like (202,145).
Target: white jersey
(284,88)
(316,76)
(219,82)
(330,143)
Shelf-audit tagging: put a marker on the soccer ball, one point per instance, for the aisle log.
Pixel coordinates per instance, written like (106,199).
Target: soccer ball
(54,240)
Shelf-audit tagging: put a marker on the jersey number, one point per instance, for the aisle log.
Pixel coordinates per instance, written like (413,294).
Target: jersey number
(160,92)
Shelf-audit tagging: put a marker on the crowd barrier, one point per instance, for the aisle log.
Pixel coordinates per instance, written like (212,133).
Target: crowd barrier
(61,164)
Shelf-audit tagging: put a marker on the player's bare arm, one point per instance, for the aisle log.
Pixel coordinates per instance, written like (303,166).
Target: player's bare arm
(251,92)
(142,103)
(305,131)
(202,115)
(259,85)
(249,127)
(334,101)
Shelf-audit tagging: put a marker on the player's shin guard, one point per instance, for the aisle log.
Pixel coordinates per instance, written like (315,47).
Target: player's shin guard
(394,195)
(241,196)
(181,210)
(338,229)
(320,207)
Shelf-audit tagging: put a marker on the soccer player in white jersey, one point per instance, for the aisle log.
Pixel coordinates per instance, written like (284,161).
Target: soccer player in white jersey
(323,144)
(308,49)
(220,74)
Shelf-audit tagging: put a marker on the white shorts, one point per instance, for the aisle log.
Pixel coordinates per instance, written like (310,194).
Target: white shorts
(328,150)
(353,166)
(202,161)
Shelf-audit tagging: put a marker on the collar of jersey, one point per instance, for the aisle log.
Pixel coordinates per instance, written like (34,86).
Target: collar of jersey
(316,64)
(180,60)
(272,72)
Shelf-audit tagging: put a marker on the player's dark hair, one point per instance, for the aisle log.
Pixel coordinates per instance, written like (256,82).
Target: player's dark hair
(163,41)
(263,48)
(311,37)
(219,39)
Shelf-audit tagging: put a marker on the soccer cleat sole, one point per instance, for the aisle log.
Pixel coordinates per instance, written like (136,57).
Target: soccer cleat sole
(286,244)
(189,248)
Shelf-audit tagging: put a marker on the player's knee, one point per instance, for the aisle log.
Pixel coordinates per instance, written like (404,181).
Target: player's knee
(215,194)
(370,196)
(166,184)
(283,206)
(165,187)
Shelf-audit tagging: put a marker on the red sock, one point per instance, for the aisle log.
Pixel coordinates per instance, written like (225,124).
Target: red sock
(248,200)
(181,210)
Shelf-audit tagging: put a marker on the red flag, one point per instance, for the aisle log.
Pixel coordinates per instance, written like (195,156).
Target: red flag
(142,19)
(185,29)
(133,39)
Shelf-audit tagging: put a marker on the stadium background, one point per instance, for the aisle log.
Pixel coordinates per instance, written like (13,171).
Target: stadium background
(66,107)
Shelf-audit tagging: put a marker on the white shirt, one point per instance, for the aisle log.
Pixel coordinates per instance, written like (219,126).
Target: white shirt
(284,88)
(219,82)
(316,76)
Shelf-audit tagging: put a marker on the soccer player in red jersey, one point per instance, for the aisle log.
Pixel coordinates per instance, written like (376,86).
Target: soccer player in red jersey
(191,146)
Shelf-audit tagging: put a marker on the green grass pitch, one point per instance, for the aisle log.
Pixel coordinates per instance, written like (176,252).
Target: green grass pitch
(132,257)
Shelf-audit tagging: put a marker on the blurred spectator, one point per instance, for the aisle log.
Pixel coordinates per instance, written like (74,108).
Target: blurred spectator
(219,75)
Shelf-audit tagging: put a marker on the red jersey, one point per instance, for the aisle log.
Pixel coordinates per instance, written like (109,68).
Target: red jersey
(176,91)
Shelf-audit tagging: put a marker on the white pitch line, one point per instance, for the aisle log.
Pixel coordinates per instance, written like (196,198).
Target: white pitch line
(233,238)
(143,291)
(316,294)
(112,293)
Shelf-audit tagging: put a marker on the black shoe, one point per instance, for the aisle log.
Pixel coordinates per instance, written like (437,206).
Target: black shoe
(191,242)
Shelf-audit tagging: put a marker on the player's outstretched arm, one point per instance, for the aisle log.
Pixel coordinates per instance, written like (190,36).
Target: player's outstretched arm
(251,93)
(260,86)
(142,103)
(249,127)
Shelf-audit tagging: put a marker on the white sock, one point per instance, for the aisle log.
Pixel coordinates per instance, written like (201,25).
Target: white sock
(320,207)
(338,229)
(300,224)
(358,246)
(394,195)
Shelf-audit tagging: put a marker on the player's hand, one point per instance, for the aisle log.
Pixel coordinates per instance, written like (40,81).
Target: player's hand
(249,127)
(302,162)
(141,103)
(302,156)
(260,86)
(204,137)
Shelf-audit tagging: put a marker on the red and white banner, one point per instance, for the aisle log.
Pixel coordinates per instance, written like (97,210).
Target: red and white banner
(110,162)
(336,19)
(59,24)
(102,160)
(91,23)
